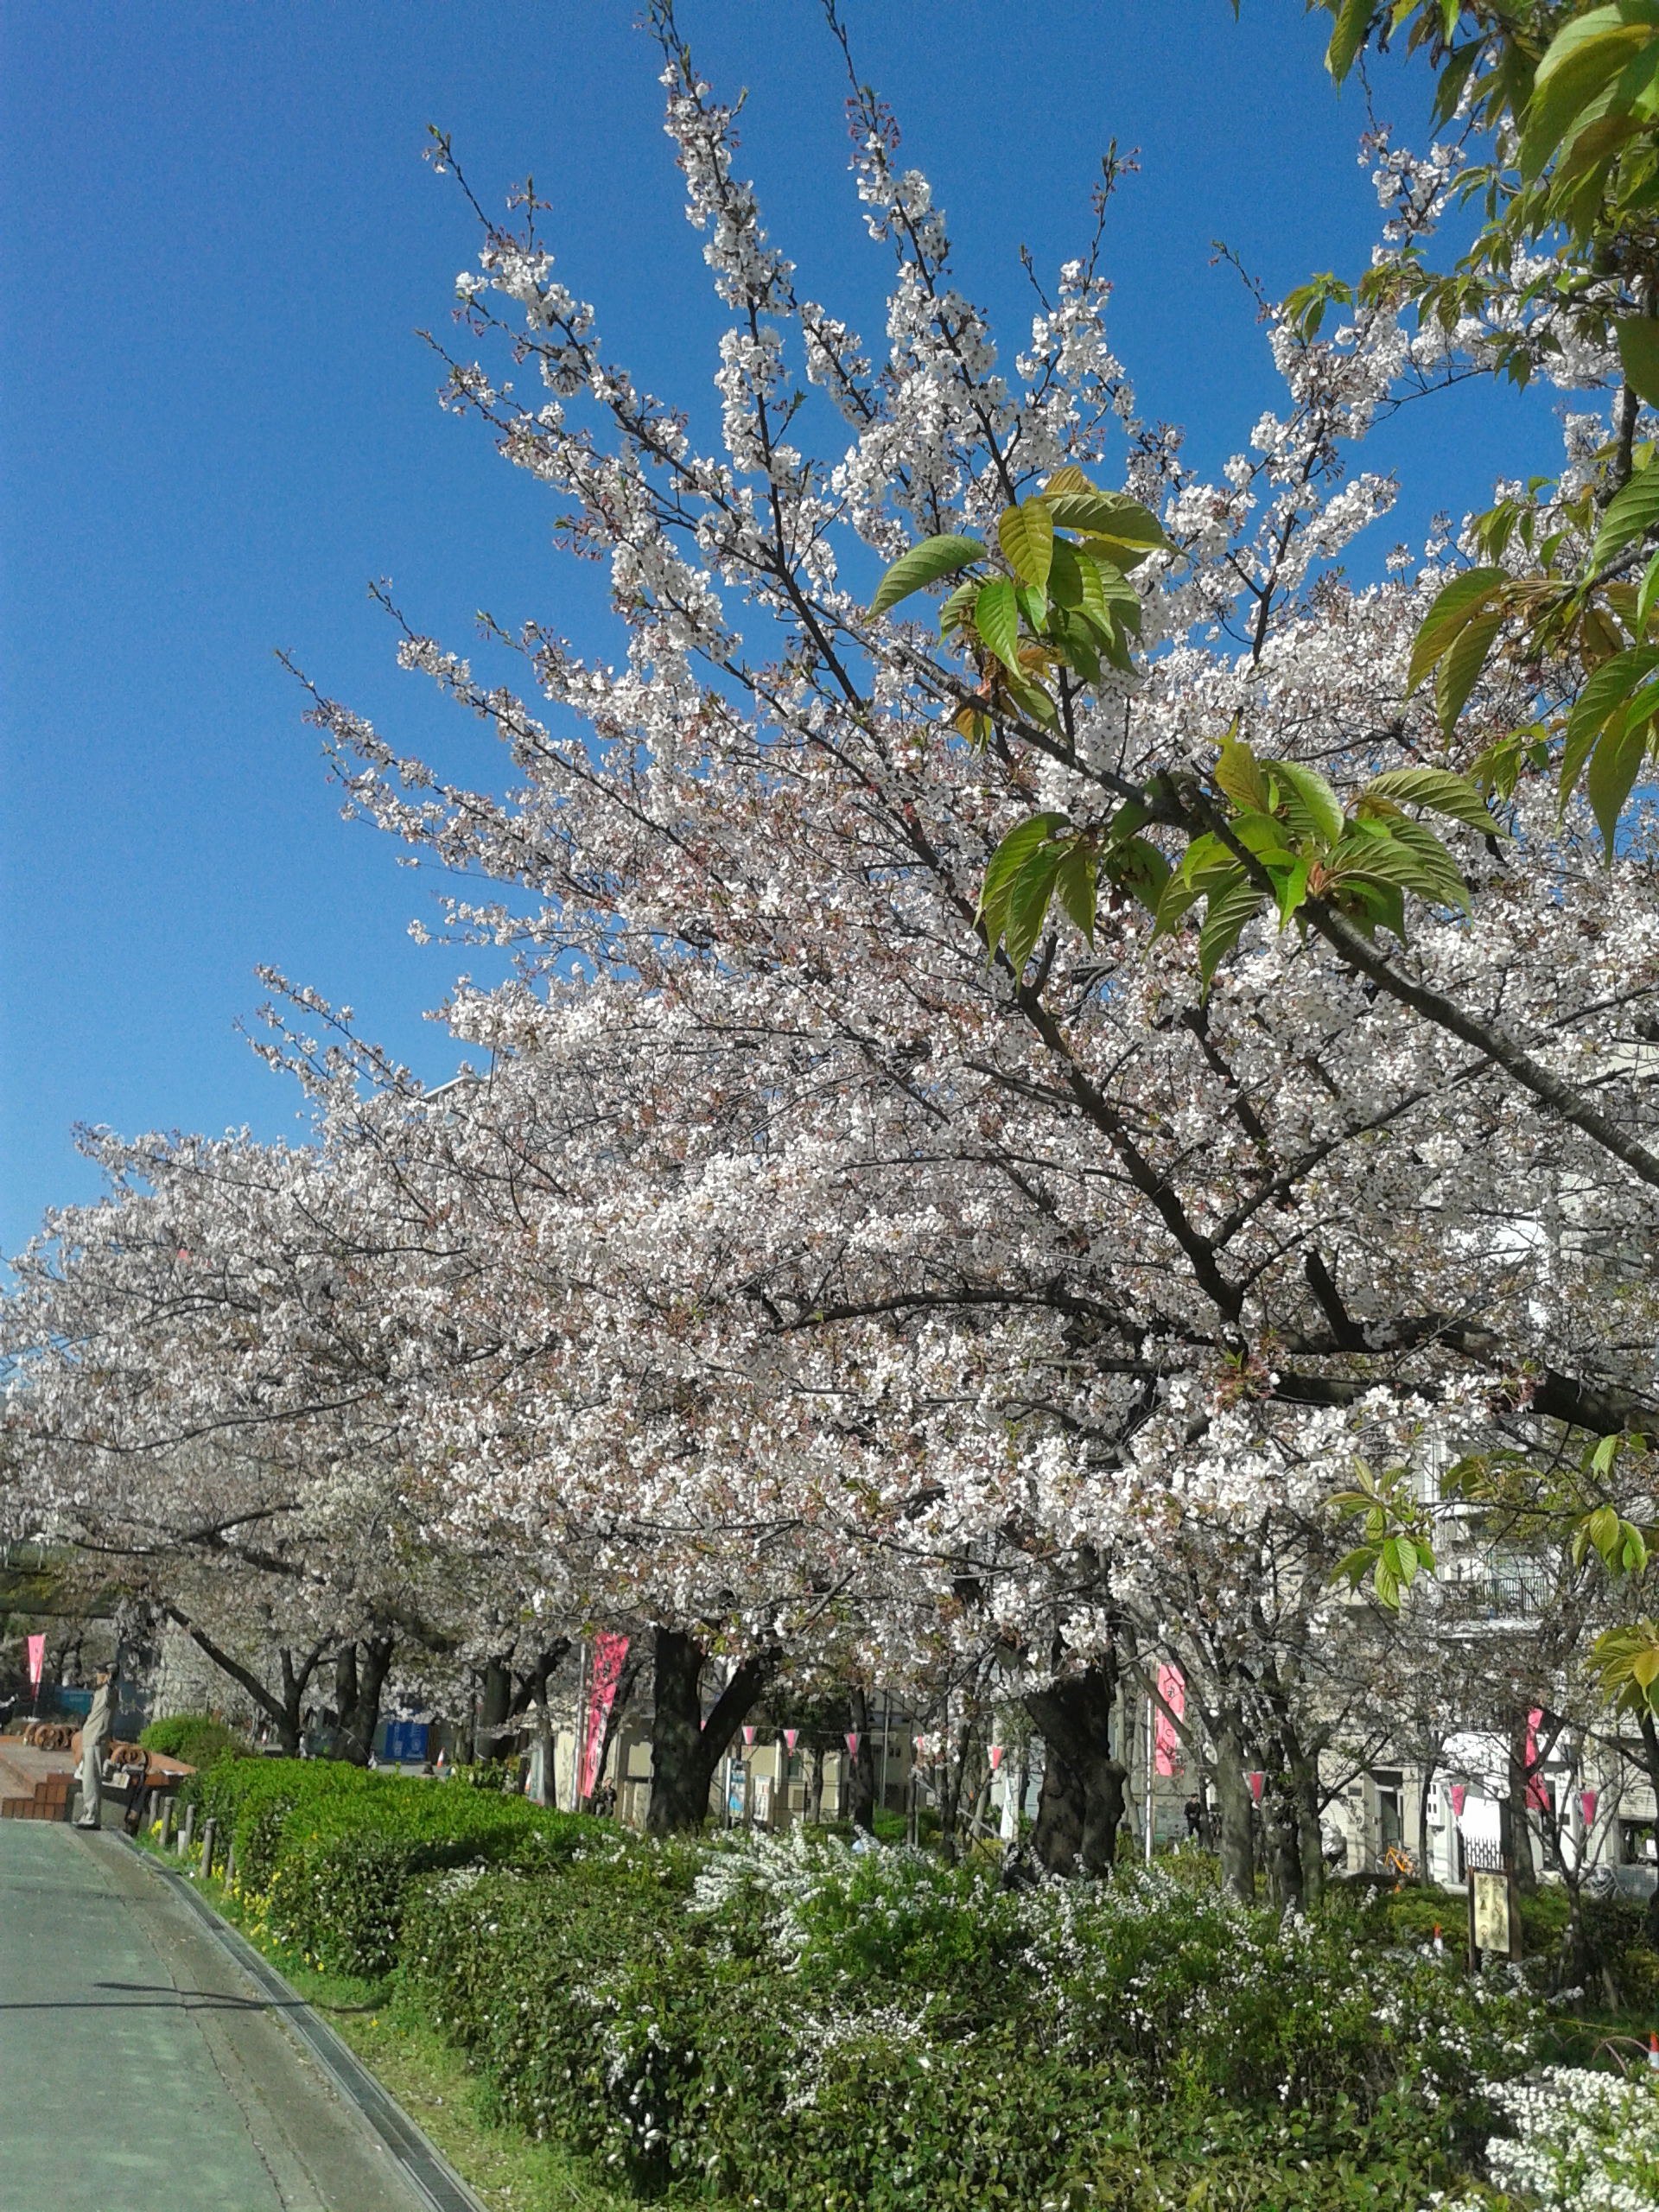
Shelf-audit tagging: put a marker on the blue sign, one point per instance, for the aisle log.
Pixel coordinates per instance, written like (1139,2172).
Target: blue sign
(405,1743)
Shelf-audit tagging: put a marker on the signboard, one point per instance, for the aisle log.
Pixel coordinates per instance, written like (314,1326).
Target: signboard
(36,1661)
(1490,1892)
(736,1789)
(763,1801)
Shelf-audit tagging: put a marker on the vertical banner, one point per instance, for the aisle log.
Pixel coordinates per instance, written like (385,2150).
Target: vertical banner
(997,1757)
(36,1661)
(1588,1801)
(1172,1688)
(851,1740)
(1537,1795)
(1459,1797)
(791,1737)
(609,1652)
(1258,1784)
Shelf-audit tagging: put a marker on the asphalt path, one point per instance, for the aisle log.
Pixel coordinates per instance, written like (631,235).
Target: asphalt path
(141,2070)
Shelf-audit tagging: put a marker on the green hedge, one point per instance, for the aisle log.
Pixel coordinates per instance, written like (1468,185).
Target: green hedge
(330,1850)
(197,1739)
(807,2026)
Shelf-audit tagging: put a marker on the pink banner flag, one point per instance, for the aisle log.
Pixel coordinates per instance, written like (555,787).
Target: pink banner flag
(1537,1796)
(851,1740)
(749,1733)
(997,1757)
(1459,1795)
(37,1660)
(1172,1688)
(1588,1801)
(1258,1784)
(609,1652)
(921,1747)
(791,1737)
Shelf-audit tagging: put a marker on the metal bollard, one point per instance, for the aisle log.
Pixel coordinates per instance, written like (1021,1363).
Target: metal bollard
(208,1827)
(188,1831)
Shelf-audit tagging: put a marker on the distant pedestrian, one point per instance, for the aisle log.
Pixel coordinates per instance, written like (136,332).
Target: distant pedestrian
(100,1726)
(1194,1812)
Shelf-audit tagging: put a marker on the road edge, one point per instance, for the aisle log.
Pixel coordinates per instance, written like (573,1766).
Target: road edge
(423,2165)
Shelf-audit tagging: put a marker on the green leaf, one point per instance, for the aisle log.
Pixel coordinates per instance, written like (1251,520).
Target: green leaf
(1241,776)
(1460,669)
(1638,349)
(1632,515)
(1006,864)
(957,612)
(922,565)
(1608,689)
(1231,906)
(1028,903)
(1291,890)
(1076,884)
(1028,538)
(1440,790)
(1614,767)
(1581,62)
(1644,598)
(1354,1568)
(1353,20)
(1314,810)
(1129,531)
(996,617)
(1140,869)
(1464,596)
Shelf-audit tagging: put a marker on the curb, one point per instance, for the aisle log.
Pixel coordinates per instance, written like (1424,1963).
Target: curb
(425,2168)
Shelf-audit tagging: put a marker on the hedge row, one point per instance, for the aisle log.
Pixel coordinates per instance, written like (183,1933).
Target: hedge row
(809,2027)
(330,1852)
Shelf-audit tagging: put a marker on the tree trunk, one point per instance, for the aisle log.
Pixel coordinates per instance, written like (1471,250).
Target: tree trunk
(620,1698)
(345,1687)
(359,1719)
(1236,1808)
(1286,1876)
(862,1778)
(495,1732)
(685,1749)
(1080,1808)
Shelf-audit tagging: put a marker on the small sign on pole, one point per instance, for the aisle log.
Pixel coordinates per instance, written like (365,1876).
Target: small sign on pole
(1258,1784)
(997,1757)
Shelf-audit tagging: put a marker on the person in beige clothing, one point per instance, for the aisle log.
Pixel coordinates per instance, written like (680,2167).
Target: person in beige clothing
(95,1734)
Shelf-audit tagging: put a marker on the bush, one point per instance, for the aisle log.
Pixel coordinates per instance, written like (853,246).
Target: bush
(197,1739)
(330,1850)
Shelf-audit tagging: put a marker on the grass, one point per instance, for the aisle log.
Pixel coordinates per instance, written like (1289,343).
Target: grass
(506,2170)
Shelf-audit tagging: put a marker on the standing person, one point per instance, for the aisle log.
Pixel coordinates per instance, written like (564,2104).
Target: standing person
(100,1726)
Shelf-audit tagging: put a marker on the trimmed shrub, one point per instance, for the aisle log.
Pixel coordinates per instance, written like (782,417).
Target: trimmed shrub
(197,1739)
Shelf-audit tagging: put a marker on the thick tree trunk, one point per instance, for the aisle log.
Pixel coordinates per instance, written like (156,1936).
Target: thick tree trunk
(285,1713)
(1235,1808)
(359,1721)
(1309,1839)
(495,1732)
(685,1749)
(1287,1882)
(1080,1808)
(862,1793)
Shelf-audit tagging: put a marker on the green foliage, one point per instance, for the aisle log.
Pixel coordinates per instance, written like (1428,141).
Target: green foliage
(813,2026)
(197,1739)
(333,1850)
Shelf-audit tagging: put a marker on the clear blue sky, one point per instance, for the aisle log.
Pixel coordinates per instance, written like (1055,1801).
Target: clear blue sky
(220,236)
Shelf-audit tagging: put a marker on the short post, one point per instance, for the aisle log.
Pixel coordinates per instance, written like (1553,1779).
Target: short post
(208,1827)
(188,1831)
(229,1864)
(170,1813)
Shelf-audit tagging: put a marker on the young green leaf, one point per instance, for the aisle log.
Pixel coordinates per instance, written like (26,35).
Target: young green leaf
(1440,791)
(1006,864)
(922,565)
(1463,597)
(1076,884)
(1460,669)
(1638,349)
(996,617)
(1232,904)
(1240,775)
(1027,533)
(1632,515)
(1313,809)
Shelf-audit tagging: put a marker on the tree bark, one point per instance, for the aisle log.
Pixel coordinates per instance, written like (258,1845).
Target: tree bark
(1080,1808)
(1236,1808)
(284,1712)
(685,1749)
(495,1732)
(862,1778)
(359,1721)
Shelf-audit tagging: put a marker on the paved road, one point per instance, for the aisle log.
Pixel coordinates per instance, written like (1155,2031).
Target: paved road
(139,2070)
